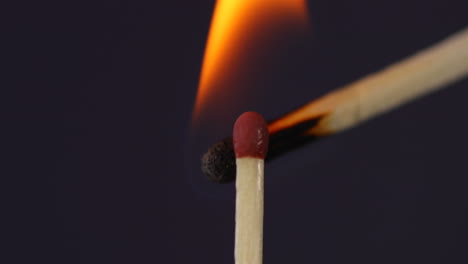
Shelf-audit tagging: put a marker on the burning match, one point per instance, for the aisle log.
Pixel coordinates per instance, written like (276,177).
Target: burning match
(250,137)
(427,71)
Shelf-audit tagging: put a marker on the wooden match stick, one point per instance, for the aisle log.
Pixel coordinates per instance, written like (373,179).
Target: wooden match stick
(250,137)
(427,71)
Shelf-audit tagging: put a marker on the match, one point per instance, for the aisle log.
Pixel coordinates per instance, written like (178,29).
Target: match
(250,138)
(427,71)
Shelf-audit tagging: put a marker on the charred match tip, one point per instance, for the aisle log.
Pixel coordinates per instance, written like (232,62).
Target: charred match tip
(219,163)
(250,136)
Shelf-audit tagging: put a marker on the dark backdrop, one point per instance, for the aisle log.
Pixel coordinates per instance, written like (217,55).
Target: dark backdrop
(95,108)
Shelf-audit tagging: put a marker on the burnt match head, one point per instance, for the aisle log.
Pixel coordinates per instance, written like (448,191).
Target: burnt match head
(219,163)
(250,136)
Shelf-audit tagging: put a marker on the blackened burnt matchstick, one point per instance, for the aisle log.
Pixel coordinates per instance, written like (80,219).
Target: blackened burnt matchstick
(427,71)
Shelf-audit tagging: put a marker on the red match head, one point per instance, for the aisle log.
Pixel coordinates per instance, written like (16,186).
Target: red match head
(250,136)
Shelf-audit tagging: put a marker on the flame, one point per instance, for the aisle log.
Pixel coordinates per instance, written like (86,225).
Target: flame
(236,25)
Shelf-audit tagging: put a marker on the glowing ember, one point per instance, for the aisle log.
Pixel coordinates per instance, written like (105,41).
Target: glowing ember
(236,25)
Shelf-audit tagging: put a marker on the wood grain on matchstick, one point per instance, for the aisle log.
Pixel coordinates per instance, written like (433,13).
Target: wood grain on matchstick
(249,211)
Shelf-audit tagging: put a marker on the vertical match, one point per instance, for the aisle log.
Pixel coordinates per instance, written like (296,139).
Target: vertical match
(250,138)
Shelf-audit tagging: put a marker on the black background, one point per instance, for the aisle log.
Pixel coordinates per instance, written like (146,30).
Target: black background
(95,108)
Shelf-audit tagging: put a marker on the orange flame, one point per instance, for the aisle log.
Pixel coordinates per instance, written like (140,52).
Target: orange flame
(235,25)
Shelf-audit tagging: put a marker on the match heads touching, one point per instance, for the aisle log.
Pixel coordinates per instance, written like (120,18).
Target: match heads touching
(251,140)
